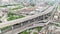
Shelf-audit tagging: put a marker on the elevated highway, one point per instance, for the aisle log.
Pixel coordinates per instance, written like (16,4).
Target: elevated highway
(26,22)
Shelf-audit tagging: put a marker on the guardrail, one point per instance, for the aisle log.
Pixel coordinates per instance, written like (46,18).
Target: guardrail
(25,18)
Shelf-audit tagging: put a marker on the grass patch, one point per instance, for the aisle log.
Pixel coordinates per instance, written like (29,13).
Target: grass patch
(25,32)
(5,27)
(34,33)
(59,7)
(19,7)
(2,6)
(38,28)
(12,16)
(0,21)
(0,16)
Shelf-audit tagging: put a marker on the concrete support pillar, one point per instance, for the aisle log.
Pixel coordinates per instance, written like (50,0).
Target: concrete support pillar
(43,17)
(12,30)
(21,24)
(1,32)
(28,21)
(34,20)
(38,18)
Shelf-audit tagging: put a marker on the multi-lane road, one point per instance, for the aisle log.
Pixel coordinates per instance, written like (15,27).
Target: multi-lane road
(15,31)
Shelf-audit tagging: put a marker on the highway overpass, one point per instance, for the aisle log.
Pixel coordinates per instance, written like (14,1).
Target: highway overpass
(26,21)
